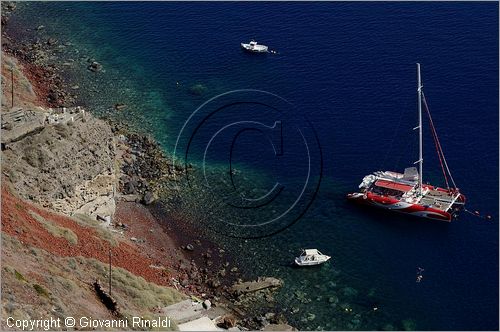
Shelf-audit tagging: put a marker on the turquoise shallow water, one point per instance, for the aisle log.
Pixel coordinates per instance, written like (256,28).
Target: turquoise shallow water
(349,69)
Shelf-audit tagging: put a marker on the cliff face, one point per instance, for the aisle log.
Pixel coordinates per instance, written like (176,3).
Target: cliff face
(23,90)
(68,167)
(49,261)
(63,159)
(60,169)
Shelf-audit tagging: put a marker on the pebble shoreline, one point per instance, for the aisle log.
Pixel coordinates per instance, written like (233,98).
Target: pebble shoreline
(203,268)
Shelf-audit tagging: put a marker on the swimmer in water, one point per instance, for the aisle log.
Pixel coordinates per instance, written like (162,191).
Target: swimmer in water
(419,274)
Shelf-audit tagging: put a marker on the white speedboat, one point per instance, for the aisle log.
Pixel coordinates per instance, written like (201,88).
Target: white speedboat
(310,257)
(254,47)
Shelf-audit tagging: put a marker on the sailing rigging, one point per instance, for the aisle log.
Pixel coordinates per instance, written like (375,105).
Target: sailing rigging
(407,193)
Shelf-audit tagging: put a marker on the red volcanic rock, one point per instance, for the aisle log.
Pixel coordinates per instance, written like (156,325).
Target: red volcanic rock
(17,221)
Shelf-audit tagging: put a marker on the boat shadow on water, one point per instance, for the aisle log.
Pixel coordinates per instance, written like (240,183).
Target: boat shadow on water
(254,57)
(326,265)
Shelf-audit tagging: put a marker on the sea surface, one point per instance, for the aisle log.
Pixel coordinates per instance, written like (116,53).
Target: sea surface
(340,92)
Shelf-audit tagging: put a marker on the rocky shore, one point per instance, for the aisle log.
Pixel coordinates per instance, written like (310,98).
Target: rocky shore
(59,157)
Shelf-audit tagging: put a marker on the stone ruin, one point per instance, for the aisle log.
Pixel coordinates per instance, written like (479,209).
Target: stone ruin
(19,123)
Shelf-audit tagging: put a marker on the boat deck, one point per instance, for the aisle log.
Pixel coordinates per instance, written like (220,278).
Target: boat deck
(438,199)
(408,192)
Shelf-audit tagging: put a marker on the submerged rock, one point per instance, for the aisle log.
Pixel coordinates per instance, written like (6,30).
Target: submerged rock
(119,106)
(311,316)
(279,327)
(95,66)
(259,284)
(356,322)
(8,5)
(197,89)
(409,325)
(51,41)
(302,297)
(349,292)
(333,299)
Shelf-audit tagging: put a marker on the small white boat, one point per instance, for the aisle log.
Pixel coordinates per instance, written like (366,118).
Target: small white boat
(254,47)
(310,257)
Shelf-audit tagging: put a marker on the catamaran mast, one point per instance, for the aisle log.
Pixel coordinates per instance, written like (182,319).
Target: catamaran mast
(420,152)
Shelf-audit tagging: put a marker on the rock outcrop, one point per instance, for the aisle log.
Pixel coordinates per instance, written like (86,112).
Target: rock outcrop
(67,166)
(254,286)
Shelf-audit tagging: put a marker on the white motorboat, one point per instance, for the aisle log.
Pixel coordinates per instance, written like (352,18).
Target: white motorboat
(254,47)
(310,257)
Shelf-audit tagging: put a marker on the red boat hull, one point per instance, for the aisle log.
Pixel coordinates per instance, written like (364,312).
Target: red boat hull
(392,204)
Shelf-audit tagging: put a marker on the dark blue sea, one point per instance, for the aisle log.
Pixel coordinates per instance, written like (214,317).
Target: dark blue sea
(345,77)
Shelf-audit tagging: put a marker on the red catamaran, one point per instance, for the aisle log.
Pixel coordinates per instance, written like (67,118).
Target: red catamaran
(406,193)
